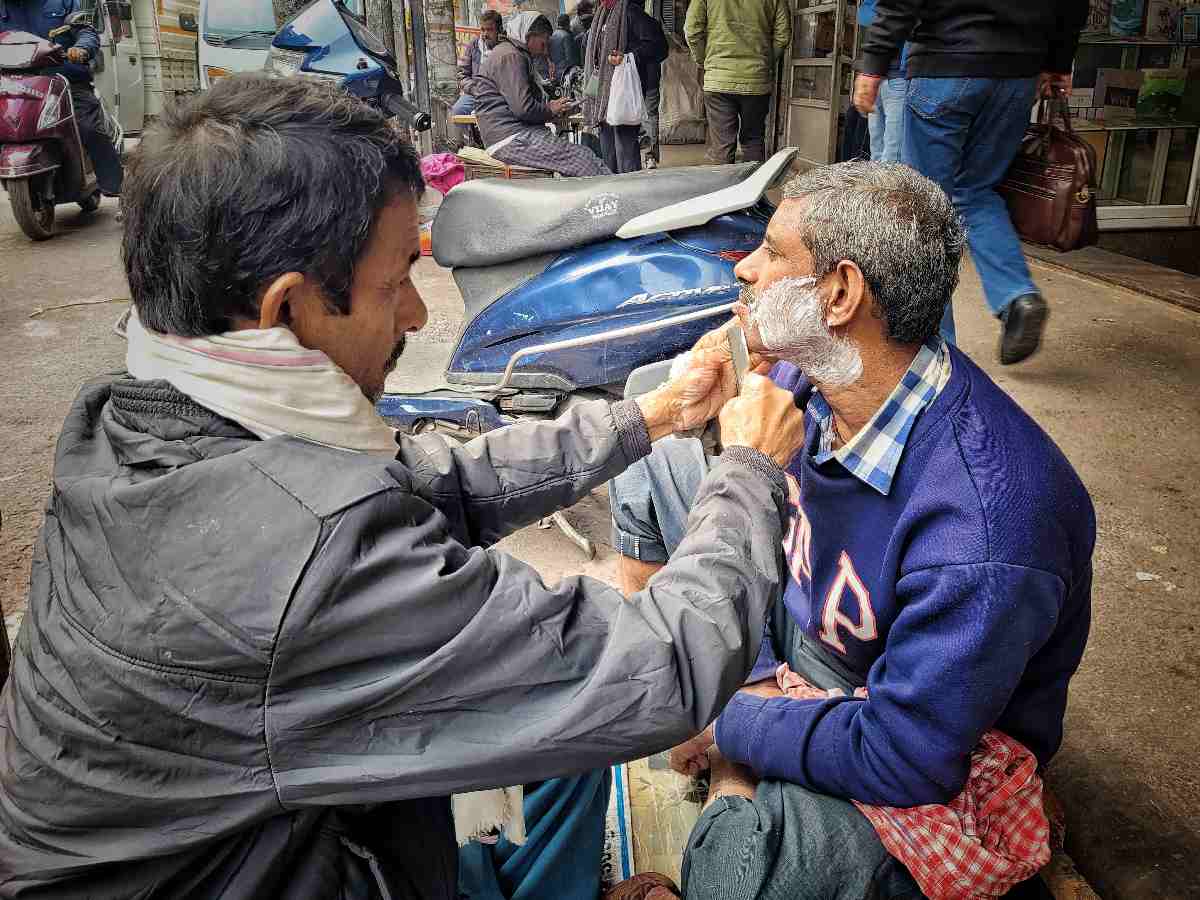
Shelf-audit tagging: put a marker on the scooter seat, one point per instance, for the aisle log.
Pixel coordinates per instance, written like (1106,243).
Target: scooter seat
(489,221)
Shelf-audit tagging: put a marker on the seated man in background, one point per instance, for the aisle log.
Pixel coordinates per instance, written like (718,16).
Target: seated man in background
(939,554)
(513,111)
(470,65)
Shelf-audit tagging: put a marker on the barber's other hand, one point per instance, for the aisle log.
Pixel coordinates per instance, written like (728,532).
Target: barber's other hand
(765,418)
(559,106)
(691,757)
(692,397)
(77,55)
(866,92)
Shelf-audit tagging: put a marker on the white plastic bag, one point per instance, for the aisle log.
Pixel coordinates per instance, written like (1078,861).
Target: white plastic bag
(626,106)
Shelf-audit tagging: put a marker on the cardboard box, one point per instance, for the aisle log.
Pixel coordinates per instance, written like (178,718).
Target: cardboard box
(1127,18)
(1099,141)
(1117,92)
(1161,93)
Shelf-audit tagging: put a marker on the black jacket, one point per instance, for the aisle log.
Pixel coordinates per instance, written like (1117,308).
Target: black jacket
(975,38)
(256,669)
(645,39)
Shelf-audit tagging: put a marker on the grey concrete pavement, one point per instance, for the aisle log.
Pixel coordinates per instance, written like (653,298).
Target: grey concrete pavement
(1117,385)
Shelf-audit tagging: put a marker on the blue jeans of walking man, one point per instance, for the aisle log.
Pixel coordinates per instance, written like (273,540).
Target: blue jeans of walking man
(887,122)
(964,133)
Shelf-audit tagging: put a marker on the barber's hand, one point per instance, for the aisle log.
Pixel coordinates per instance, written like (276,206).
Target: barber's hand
(718,339)
(693,396)
(691,757)
(559,106)
(765,418)
(866,92)
(1051,84)
(78,55)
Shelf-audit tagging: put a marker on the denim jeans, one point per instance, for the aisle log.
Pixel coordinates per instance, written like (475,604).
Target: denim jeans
(887,122)
(788,842)
(963,133)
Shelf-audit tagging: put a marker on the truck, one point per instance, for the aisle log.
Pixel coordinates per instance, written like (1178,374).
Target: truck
(148,56)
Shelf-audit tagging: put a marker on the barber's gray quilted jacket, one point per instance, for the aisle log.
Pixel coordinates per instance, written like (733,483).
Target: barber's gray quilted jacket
(257,669)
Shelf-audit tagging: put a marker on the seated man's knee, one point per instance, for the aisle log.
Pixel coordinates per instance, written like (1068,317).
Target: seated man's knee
(731,852)
(650,500)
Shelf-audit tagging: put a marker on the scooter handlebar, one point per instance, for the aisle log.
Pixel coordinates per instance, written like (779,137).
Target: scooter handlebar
(409,113)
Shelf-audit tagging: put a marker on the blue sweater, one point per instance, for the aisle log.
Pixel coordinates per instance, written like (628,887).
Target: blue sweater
(40,17)
(963,598)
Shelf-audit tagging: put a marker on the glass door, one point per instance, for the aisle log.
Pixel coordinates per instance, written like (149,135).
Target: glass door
(1146,144)
(817,78)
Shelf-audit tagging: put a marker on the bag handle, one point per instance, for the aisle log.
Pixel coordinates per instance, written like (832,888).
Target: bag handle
(1057,103)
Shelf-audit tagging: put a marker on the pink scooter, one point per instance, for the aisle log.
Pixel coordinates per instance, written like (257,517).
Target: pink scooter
(42,160)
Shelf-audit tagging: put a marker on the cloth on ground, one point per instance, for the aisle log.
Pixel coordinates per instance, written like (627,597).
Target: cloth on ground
(992,836)
(443,171)
(271,385)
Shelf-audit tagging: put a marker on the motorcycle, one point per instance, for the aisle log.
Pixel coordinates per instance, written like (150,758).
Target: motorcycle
(42,159)
(571,285)
(327,40)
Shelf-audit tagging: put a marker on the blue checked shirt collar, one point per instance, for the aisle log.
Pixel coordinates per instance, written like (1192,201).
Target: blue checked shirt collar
(873,454)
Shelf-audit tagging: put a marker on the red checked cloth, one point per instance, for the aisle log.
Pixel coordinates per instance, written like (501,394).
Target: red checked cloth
(993,835)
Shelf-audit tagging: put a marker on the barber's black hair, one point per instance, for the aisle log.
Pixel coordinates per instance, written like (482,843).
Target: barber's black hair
(250,180)
(490,15)
(564,21)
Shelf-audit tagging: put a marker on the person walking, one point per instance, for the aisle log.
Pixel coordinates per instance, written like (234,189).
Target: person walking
(736,45)
(886,123)
(620,27)
(974,71)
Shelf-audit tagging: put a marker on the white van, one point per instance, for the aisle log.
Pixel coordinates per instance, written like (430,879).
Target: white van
(235,36)
(147,56)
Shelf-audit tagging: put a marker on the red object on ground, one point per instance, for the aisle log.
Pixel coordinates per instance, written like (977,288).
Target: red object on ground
(990,837)
(443,171)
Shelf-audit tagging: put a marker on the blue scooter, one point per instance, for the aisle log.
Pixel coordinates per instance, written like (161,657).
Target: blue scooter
(328,40)
(570,285)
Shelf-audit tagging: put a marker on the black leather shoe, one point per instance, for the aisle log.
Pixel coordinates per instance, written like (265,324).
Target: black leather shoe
(1021,328)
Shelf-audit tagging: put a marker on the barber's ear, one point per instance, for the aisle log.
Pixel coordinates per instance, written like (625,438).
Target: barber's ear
(848,294)
(274,308)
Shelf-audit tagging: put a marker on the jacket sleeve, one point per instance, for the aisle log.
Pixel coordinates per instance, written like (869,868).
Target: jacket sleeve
(783,30)
(408,665)
(512,77)
(894,21)
(954,656)
(511,477)
(1060,54)
(695,30)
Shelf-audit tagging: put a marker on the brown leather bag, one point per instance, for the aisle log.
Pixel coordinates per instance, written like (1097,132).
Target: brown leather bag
(1050,187)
